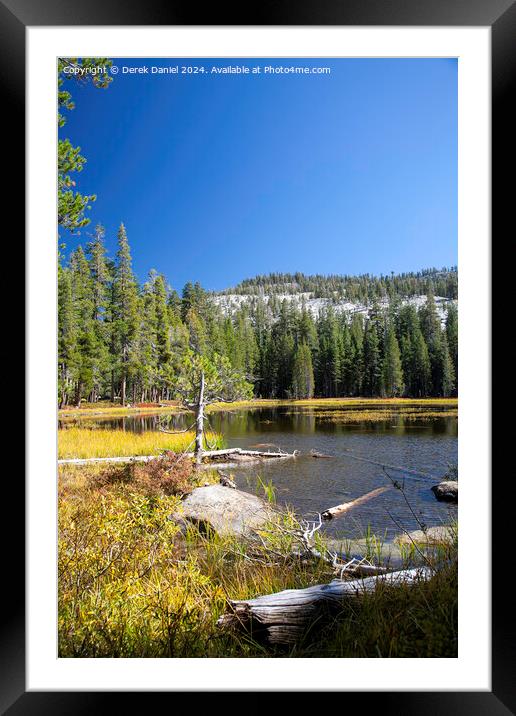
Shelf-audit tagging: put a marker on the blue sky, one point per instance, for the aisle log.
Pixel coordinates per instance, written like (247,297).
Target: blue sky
(222,177)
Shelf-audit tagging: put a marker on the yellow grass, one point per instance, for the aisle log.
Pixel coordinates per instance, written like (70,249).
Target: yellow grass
(337,403)
(83,443)
(372,416)
(95,410)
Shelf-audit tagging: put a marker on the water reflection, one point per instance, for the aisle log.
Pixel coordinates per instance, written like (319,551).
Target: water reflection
(423,445)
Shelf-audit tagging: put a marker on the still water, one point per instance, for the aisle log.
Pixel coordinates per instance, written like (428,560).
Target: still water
(427,446)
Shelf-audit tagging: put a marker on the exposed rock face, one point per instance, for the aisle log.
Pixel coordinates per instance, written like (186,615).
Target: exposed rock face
(447,491)
(433,535)
(227,511)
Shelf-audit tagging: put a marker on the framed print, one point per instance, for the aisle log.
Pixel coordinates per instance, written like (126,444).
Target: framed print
(258,356)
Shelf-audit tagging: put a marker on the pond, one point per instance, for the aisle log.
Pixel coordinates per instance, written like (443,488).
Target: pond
(423,445)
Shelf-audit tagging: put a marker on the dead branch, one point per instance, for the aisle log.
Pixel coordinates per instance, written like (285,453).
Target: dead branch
(333,512)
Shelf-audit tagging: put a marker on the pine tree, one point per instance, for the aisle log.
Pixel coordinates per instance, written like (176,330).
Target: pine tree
(414,354)
(100,279)
(452,335)
(392,372)
(356,358)
(432,333)
(125,312)
(331,356)
(67,337)
(447,385)
(372,360)
(302,373)
(164,353)
(147,343)
(82,293)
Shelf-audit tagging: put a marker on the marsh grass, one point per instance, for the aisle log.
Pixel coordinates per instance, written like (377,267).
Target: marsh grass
(90,410)
(266,490)
(107,409)
(381,414)
(75,442)
(133,584)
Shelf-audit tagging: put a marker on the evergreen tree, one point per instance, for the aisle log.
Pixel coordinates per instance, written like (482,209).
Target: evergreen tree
(82,293)
(124,313)
(414,354)
(447,385)
(432,334)
(372,360)
(392,372)
(71,204)
(67,337)
(452,335)
(302,373)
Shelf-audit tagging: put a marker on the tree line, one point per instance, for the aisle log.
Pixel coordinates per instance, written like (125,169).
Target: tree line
(122,340)
(360,289)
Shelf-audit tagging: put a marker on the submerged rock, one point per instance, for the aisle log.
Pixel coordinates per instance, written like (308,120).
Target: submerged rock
(228,512)
(447,491)
(441,534)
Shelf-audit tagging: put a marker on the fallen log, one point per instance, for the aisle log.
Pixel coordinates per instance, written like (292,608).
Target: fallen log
(241,451)
(208,453)
(284,617)
(346,506)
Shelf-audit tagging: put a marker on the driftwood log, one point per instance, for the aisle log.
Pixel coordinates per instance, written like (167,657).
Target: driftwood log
(285,617)
(346,506)
(212,454)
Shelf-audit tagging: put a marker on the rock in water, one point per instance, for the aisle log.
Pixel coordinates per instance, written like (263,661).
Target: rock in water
(447,491)
(442,534)
(230,512)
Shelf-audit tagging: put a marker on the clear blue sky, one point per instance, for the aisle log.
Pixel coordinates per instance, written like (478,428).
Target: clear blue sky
(222,177)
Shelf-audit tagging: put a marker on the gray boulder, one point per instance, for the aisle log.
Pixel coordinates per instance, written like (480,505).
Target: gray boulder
(228,512)
(447,491)
(442,534)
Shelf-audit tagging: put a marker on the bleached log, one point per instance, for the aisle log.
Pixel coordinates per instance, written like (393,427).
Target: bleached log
(346,506)
(206,453)
(241,451)
(283,618)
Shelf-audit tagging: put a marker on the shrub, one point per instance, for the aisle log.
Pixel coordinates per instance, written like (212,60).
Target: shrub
(169,474)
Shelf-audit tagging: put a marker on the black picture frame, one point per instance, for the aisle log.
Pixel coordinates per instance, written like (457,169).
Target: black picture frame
(500,15)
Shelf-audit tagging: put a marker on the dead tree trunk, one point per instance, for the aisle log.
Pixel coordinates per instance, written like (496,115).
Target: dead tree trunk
(199,422)
(341,509)
(283,618)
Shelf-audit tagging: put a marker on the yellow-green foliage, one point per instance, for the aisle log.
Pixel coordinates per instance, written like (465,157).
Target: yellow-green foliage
(96,410)
(337,403)
(381,414)
(84,442)
(132,585)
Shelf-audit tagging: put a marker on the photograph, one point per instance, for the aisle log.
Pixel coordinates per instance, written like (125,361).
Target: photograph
(257,357)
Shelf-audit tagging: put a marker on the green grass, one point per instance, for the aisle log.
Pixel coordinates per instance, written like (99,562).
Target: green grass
(132,585)
(76,442)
